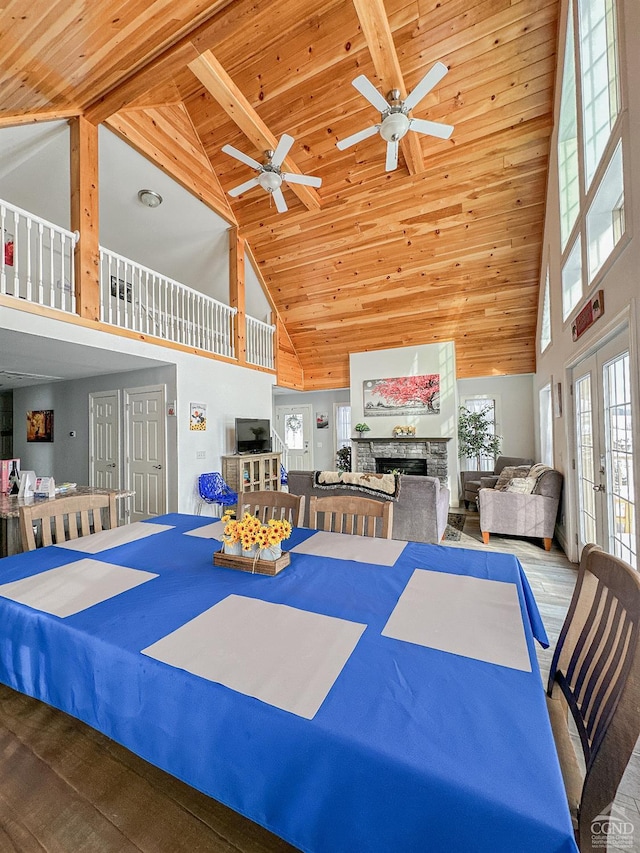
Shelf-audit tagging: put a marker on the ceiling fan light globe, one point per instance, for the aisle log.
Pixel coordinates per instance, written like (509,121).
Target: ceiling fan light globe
(394,127)
(270,181)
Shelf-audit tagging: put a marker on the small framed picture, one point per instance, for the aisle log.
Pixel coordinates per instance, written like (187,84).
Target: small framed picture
(198,416)
(40,425)
(322,420)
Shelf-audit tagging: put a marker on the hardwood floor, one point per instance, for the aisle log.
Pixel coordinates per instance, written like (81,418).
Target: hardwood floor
(68,789)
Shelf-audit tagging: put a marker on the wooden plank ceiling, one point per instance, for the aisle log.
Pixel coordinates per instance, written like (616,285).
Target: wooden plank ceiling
(448,248)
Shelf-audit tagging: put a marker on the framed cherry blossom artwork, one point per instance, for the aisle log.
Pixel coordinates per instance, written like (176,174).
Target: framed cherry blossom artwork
(402,395)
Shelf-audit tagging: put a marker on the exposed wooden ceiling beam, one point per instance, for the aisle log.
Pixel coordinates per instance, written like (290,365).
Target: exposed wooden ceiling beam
(377,32)
(218,83)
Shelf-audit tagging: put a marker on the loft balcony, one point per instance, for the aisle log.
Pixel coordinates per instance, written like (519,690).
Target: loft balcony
(37,267)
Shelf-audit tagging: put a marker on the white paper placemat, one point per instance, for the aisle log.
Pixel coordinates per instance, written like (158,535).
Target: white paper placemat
(283,656)
(74,587)
(97,542)
(467,616)
(344,546)
(209,531)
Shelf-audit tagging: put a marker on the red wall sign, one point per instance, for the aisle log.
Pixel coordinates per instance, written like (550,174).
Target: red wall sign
(589,314)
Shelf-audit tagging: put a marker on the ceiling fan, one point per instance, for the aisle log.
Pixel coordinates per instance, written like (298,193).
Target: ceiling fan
(394,119)
(270,176)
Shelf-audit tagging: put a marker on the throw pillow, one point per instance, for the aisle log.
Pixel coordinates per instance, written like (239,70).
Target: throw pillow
(522,485)
(507,474)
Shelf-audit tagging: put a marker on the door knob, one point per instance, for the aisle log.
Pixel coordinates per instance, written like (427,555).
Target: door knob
(111,465)
(157,466)
(599,488)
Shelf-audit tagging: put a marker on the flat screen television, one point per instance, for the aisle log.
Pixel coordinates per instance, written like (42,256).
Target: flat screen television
(253,435)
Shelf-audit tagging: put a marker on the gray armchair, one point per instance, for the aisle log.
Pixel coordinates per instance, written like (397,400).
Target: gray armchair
(520,514)
(472,481)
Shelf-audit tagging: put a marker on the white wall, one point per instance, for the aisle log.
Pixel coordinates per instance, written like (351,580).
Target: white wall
(514,409)
(411,361)
(620,277)
(256,303)
(35,169)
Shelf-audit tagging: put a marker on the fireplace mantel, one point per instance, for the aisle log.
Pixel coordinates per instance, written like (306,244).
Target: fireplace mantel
(387,439)
(433,450)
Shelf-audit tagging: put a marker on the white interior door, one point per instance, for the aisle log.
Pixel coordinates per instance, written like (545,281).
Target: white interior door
(293,423)
(146,451)
(104,440)
(604,450)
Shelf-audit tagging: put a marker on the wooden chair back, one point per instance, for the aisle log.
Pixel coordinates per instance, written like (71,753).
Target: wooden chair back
(66,518)
(360,516)
(275,504)
(595,674)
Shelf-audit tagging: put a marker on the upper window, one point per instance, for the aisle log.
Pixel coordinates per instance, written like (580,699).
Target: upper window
(591,198)
(545,325)
(568,140)
(599,78)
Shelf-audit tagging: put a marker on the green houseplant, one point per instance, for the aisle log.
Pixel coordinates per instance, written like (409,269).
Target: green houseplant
(343,458)
(475,435)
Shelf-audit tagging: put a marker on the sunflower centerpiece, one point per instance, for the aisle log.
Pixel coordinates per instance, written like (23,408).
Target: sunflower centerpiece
(249,537)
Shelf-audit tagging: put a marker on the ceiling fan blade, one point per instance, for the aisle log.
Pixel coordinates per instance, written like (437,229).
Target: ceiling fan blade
(282,149)
(281,204)
(357,137)
(392,156)
(430,79)
(369,91)
(248,185)
(244,158)
(306,180)
(433,128)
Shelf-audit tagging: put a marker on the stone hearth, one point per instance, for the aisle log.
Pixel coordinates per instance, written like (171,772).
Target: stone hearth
(433,450)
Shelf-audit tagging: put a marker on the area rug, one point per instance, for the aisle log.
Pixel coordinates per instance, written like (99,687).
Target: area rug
(455,525)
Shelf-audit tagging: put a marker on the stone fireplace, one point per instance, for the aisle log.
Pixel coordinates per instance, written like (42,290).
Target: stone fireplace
(398,452)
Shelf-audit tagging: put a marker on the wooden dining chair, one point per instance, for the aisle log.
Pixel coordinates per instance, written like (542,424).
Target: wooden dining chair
(275,504)
(66,518)
(595,675)
(361,516)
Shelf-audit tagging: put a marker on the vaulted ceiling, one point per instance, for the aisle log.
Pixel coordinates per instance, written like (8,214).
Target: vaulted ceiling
(445,247)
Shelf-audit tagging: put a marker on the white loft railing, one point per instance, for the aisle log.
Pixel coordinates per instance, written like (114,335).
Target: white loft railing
(36,259)
(260,343)
(134,297)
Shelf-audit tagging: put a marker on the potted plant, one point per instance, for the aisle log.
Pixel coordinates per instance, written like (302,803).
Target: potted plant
(475,435)
(343,458)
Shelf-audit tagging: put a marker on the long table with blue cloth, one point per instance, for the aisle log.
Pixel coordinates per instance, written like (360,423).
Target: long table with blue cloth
(374,695)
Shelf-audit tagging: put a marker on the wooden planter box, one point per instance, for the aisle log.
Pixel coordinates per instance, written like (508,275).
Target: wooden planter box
(248,564)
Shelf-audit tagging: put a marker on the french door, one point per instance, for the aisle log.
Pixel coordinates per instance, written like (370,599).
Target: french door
(605,449)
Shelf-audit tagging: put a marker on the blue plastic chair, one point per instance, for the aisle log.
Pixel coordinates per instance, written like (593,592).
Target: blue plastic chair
(213,490)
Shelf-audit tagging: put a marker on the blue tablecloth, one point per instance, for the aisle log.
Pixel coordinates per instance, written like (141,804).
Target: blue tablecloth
(413,749)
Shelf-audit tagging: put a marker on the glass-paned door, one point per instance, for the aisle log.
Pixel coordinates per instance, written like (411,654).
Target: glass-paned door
(293,423)
(619,455)
(604,451)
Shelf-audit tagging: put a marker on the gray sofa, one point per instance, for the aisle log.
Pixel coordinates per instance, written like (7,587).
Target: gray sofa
(419,513)
(516,514)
